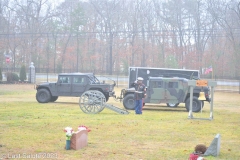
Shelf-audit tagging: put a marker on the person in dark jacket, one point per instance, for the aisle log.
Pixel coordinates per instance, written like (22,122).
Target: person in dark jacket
(140,93)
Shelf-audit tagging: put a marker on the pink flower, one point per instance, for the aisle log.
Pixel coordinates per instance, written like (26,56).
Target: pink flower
(83,128)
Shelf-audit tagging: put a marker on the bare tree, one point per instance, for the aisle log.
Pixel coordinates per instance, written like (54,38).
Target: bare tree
(108,11)
(227,15)
(107,34)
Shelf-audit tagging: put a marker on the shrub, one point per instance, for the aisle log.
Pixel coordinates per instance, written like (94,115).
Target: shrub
(22,74)
(1,74)
(11,77)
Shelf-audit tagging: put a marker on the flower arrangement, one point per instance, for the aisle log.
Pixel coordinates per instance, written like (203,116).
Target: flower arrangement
(69,132)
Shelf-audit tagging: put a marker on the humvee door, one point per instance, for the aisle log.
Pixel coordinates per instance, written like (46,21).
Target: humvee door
(156,92)
(79,85)
(166,91)
(64,85)
(174,92)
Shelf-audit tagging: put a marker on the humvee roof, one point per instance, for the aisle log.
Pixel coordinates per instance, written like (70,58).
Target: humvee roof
(77,73)
(168,78)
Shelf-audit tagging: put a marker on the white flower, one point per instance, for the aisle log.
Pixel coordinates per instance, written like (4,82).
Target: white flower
(69,133)
(68,129)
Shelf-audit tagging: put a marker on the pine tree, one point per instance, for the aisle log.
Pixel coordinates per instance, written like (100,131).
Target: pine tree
(23,75)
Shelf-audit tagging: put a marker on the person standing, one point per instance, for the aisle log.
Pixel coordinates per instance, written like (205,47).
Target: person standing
(140,93)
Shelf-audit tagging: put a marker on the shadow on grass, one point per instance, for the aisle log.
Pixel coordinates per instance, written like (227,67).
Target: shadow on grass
(164,108)
(146,107)
(64,102)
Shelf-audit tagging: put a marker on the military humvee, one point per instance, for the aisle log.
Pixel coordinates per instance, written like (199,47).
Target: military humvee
(171,91)
(72,85)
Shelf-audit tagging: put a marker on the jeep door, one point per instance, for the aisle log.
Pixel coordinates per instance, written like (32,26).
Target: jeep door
(166,91)
(174,91)
(64,85)
(156,92)
(79,85)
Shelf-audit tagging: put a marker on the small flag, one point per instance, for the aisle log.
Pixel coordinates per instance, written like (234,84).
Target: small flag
(208,70)
(7,59)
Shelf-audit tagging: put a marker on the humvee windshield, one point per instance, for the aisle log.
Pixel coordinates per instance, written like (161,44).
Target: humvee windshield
(93,79)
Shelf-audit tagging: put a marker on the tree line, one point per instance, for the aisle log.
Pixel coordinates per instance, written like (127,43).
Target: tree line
(111,35)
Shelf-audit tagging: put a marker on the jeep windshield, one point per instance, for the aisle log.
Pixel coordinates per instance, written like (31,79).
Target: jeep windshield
(93,79)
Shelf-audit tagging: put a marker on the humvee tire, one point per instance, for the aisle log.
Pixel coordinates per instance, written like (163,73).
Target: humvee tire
(53,98)
(129,102)
(196,104)
(43,96)
(172,105)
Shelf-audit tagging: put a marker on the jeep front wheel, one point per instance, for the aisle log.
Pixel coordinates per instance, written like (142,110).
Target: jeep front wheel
(196,104)
(53,98)
(43,96)
(129,102)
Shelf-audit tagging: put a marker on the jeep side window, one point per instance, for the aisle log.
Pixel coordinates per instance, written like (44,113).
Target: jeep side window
(64,79)
(173,85)
(84,80)
(156,84)
(79,80)
(153,84)
(160,84)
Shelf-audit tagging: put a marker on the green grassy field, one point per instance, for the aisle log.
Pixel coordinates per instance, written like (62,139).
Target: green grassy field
(29,128)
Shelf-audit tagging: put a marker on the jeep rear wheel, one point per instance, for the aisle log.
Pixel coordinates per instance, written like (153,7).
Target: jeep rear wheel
(43,96)
(172,105)
(196,104)
(129,102)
